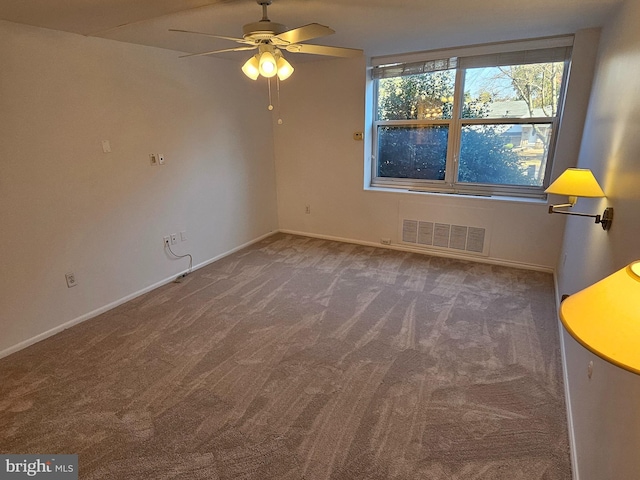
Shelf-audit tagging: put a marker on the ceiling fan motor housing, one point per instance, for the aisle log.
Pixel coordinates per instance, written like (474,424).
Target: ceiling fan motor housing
(262,30)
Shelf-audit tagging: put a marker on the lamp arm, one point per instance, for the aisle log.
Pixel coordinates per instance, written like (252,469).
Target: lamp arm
(577,214)
(552,208)
(604,220)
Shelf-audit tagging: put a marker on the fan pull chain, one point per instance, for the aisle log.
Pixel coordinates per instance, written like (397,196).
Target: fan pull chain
(278,89)
(270,107)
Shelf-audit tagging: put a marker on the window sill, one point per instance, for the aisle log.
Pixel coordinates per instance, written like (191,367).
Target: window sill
(466,196)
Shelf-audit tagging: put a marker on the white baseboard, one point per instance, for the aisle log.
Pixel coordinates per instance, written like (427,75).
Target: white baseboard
(120,301)
(575,474)
(423,251)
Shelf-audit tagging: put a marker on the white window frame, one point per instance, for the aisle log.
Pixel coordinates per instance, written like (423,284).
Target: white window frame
(462,58)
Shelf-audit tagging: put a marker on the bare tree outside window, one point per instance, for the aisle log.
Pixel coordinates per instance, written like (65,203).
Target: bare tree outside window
(498,128)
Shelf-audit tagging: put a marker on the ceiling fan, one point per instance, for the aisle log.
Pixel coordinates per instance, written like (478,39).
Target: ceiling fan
(270,38)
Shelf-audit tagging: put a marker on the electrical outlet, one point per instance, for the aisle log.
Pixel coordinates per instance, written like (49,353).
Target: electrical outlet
(174,238)
(161,159)
(183,235)
(153,159)
(167,241)
(71,279)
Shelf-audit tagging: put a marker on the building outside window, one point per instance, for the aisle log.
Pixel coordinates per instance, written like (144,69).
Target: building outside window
(476,121)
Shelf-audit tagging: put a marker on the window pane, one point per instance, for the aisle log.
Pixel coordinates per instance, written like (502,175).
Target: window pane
(505,154)
(427,96)
(513,91)
(412,151)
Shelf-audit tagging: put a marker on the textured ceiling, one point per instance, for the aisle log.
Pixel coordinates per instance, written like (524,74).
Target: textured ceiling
(380,27)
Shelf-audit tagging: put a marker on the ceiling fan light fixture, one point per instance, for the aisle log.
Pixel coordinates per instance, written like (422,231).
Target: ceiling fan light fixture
(284,68)
(251,68)
(267,64)
(267,36)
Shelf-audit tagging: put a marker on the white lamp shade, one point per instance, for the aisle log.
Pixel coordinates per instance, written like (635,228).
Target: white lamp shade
(267,64)
(576,182)
(284,69)
(251,68)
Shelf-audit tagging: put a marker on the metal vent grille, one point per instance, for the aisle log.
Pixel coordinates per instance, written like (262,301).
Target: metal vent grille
(443,235)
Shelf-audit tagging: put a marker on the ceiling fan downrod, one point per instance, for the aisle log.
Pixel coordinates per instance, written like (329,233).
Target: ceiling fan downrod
(264,4)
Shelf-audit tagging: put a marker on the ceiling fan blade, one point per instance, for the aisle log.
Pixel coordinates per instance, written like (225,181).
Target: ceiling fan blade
(324,50)
(301,34)
(233,39)
(237,49)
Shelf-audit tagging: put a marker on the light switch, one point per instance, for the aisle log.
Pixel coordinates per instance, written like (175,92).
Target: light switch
(106,146)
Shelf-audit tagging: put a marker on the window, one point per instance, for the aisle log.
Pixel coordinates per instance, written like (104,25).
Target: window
(481,120)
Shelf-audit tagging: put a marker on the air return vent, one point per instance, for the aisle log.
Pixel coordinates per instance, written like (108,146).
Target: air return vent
(444,235)
(455,229)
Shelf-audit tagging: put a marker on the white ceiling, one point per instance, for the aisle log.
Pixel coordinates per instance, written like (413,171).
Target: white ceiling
(380,27)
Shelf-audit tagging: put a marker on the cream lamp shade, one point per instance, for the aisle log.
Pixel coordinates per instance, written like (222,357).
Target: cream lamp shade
(267,64)
(251,68)
(284,68)
(605,317)
(576,182)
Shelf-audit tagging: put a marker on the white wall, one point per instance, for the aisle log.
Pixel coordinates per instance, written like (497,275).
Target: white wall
(319,164)
(67,206)
(605,413)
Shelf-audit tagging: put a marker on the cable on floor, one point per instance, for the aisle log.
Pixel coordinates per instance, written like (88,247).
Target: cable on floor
(181,276)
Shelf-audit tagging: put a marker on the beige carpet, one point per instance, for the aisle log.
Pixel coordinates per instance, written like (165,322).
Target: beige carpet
(299,358)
